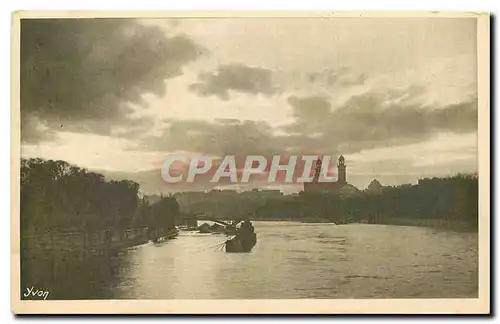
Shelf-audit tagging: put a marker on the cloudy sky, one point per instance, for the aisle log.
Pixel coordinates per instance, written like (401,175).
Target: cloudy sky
(396,97)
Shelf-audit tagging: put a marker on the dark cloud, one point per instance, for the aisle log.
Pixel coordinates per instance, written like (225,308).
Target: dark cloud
(235,77)
(220,137)
(365,121)
(84,73)
(379,119)
(122,126)
(310,111)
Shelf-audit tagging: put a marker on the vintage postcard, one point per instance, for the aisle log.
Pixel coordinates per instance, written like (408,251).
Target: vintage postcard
(250,163)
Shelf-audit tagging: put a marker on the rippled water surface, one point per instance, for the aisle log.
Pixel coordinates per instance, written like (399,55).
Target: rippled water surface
(294,260)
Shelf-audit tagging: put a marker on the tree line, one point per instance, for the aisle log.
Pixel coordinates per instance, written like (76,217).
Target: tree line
(57,196)
(452,200)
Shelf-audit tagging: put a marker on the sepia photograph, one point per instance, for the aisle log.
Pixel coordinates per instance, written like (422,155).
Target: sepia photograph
(237,162)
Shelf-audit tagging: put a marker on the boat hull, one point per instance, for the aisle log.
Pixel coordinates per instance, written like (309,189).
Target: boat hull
(240,244)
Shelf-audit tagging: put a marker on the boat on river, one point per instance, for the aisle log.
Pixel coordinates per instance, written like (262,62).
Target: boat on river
(240,244)
(244,240)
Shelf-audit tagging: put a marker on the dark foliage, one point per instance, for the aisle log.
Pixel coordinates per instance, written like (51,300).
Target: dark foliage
(57,196)
(433,201)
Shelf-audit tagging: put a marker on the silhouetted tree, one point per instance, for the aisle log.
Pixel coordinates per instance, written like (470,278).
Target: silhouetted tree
(58,196)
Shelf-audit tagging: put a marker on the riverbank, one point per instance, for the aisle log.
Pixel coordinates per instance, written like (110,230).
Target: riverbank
(101,240)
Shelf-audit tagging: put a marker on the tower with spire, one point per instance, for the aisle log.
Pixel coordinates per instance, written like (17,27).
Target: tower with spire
(341,168)
(317,186)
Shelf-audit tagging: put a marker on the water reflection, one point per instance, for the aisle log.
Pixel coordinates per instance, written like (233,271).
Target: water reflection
(72,274)
(290,260)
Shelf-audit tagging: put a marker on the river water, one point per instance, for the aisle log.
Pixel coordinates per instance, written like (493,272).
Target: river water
(290,260)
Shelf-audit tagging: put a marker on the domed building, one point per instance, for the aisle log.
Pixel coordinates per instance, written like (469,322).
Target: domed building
(374,187)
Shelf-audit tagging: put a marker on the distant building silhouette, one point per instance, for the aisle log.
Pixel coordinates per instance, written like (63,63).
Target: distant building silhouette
(332,187)
(375,185)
